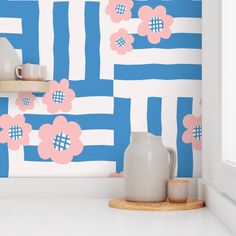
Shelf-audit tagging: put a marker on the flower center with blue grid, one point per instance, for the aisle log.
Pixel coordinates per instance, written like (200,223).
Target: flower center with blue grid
(120,9)
(61,142)
(26,101)
(120,42)
(197,132)
(15,132)
(156,24)
(58,97)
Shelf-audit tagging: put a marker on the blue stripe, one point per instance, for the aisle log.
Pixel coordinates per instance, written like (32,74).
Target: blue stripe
(96,153)
(154,116)
(92,88)
(176,8)
(92,43)
(90,153)
(83,88)
(4,162)
(180,40)
(158,71)
(38,94)
(3,106)
(30,22)
(85,121)
(29,40)
(185,152)
(61,40)
(122,130)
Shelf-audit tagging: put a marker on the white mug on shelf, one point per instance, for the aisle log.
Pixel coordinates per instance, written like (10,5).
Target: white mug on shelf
(31,72)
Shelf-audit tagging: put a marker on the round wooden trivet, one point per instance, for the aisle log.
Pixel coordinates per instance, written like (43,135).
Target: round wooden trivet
(156,206)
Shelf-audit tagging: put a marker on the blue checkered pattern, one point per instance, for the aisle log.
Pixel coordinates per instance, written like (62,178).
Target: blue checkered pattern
(197,132)
(120,9)
(156,24)
(15,132)
(120,42)
(26,101)
(61,142)
(58,97)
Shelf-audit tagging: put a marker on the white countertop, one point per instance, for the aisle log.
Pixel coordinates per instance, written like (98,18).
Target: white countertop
(85,217)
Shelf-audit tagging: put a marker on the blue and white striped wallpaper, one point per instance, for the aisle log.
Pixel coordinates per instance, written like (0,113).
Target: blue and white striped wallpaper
(114,88)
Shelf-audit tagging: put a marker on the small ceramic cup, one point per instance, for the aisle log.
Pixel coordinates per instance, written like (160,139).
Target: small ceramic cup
(31,72)
(178,190)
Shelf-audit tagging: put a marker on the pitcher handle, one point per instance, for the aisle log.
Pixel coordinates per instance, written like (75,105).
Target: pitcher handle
(172,164)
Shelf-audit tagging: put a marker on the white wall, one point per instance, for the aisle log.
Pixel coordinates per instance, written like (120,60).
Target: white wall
(211,81)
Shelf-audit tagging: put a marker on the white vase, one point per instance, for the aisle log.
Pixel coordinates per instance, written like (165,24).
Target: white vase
(8,60)
(148,166)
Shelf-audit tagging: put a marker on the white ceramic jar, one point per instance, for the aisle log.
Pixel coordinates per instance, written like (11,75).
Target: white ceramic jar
(148,166)
(8,60)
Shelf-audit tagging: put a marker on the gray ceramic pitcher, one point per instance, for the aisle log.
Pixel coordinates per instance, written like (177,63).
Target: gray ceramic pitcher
(148,166)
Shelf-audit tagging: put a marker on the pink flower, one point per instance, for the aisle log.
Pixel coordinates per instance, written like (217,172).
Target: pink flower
(14,131)
(193,134)
(59,96)
(60,141)
(119,10)
(25,101)
(155,23)
(121,42)
(116,175)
